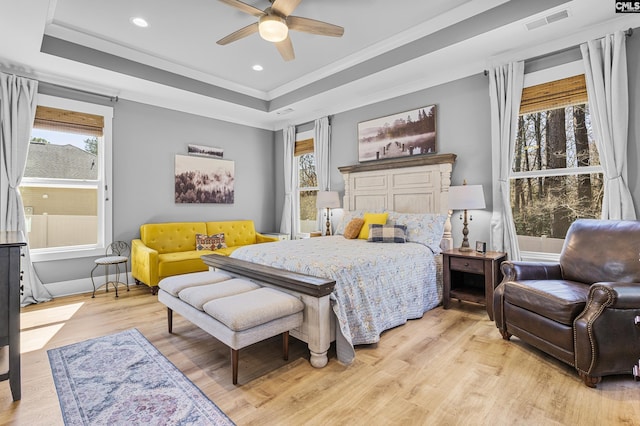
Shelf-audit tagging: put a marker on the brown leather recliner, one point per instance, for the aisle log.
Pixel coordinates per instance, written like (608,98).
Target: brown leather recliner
(582,309)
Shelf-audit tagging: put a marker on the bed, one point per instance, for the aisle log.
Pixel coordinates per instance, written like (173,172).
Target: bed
(378,286)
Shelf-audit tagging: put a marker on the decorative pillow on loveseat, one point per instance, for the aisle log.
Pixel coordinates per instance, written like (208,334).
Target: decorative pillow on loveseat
(387,233)
(210,242)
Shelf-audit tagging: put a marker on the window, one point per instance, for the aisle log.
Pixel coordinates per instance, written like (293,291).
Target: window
(307,184)
(65,185)
(556,176)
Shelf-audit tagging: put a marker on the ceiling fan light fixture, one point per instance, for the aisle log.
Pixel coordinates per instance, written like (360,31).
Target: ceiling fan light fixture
(273,28)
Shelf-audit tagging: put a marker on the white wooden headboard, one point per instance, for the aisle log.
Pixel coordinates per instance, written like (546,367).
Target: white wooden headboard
(406,185)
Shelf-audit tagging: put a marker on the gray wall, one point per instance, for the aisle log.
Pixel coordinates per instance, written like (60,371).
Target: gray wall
(463,126)
(145,142)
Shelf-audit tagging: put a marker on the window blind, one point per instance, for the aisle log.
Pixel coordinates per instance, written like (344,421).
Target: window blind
(554,94)
(303,147)
(62,120)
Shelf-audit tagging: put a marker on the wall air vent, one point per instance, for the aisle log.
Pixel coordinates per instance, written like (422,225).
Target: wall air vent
(554,17)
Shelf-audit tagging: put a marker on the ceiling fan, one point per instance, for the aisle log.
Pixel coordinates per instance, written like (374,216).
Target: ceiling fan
(275,22)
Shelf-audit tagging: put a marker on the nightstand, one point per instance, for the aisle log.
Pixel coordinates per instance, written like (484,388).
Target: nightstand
(471,276)
(304,235)
(278,235)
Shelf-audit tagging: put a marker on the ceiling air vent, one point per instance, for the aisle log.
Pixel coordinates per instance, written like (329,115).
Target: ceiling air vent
(554,17)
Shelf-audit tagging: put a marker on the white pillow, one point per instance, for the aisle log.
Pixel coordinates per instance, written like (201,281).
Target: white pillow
(422,228)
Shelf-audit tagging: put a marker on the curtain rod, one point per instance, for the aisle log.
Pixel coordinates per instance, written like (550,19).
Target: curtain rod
(627,33)
(329,117)
(59,86)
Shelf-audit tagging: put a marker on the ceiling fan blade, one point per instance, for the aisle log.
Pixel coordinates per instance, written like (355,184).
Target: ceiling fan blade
(286,49)
(285,7)
(306,25)
(246,8)
(237,35)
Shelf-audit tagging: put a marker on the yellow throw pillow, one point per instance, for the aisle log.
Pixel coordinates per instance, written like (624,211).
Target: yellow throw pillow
(371,218)
(352,230)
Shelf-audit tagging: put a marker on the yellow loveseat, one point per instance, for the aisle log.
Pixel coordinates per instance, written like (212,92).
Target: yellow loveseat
(167,249)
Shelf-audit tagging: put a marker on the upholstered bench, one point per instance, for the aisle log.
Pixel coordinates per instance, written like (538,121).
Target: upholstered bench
(237,312)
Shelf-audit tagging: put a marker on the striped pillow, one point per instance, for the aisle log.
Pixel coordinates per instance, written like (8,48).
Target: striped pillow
(387,233)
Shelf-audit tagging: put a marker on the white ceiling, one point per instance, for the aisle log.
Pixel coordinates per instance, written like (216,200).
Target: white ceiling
(389,48)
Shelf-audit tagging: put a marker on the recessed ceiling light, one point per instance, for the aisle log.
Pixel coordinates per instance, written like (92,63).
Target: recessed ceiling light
(284,111)
(257,67)
(139,22)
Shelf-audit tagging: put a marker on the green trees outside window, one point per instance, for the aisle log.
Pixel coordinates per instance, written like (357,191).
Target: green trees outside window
(557,176)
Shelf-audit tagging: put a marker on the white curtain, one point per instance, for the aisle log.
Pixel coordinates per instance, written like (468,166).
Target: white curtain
(288,225)
(321,146)
(505,91)
(605,63)
(18,101)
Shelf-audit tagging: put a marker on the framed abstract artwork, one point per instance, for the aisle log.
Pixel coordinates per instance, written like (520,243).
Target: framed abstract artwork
(204,180)
(399,135)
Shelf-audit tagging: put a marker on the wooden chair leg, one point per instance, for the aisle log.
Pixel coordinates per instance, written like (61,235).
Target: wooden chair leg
(285,346)
(588,380)
(170,319)
(234,365)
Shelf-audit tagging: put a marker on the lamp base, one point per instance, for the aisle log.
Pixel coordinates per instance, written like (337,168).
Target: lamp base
(328,231)
(465,231)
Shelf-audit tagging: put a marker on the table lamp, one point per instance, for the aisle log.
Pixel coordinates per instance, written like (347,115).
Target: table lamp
(466,197)
(328,200)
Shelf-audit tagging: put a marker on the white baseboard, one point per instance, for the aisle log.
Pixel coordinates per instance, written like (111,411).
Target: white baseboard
(83,285)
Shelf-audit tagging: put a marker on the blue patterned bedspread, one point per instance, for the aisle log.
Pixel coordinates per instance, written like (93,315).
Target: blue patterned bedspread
(378,286)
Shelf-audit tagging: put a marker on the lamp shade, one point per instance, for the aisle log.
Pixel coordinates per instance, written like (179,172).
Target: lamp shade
(466,197)
(328,200)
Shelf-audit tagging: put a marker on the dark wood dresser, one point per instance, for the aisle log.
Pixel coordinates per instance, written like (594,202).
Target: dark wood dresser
(10,288)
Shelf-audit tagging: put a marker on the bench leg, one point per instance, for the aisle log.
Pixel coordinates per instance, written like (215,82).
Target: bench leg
(234,356)
(234,365)
(285,346)
(170,319)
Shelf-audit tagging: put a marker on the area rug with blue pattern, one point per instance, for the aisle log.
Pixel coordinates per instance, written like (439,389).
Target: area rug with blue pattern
(123,379)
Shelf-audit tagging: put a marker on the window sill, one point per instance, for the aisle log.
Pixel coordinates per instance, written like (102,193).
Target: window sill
(535,256)
(46,255)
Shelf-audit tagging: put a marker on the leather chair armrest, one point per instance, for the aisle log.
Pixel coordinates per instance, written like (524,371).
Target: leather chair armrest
(519,270)
(612,295)
(627,295)
(515,271)
(602,330)
(260,238)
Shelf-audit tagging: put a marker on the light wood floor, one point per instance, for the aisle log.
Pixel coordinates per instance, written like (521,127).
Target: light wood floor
(450,367)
